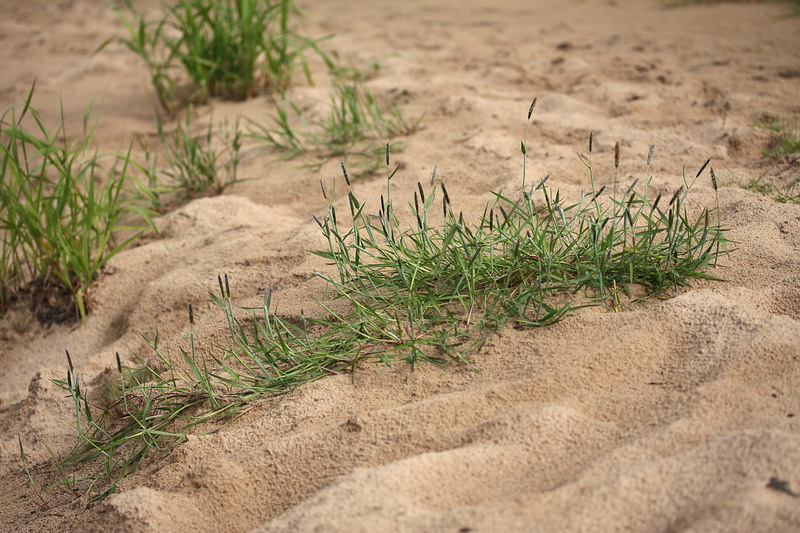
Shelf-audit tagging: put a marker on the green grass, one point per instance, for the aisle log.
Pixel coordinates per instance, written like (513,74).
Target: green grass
(200,49)
(201,165)
(431,289)
(784,195)
(62,209)
(354,128)
(784,140)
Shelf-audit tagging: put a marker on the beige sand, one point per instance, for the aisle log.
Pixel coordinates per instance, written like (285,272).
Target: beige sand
(672,417)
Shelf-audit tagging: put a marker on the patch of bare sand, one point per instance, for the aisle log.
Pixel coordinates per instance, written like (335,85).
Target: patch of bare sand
(679,415)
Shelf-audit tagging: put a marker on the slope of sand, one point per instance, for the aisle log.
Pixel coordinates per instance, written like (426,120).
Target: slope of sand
(674,416)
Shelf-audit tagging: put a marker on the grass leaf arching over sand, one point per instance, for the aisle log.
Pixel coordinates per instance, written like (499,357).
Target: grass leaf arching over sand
(430,290)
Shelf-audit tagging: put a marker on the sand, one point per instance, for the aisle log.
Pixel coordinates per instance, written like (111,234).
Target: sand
(682,414)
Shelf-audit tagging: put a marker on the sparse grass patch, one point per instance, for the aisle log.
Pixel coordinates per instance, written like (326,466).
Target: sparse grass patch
(62,209)
(430,290)
(784,141)
(354,128)
(230,49)
(201,164)
(785,195)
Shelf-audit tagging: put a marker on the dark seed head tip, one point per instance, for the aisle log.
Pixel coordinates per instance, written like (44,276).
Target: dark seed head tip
(530,109)
(702,168)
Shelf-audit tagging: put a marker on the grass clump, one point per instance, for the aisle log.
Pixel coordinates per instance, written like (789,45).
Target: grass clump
(789,194)
(429,290)
(230,49)
(62,210)
(204,164)
(784,140)
(354,122)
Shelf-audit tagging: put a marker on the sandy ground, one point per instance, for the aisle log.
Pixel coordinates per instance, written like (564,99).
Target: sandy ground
(675,416)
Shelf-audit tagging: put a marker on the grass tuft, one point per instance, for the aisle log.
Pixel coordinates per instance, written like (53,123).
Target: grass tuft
(62,210)
(200,49)
(355,121)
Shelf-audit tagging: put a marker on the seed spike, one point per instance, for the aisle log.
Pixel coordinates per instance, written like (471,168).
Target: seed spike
(119,363)
(541,183)
(267,299)
(650,154)
(491,219)
(591,140)
(421,192)
(227,287)
(616,155)
(702,168)
(658,199)
(416,203)
(322,186)
(344,171)
(530,109)
(191,315)
(446,196)
(69,379)
(631,186)
(433,176)
(714,179)
(221,288)
(598,193)
(675,196)
(387,154)
(69,360)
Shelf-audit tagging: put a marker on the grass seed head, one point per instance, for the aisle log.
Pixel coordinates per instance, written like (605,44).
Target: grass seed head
(702,168)
(631,186)
(119,363)
(675,196)
(69,360)
(530,109)
(227,287)
(421,192)
(322,186)
(591,140)
(191,315)
(387,154)
(650,154)
(344,172)
(221,288)
(714,179)
(542,182)
(616,155)
(446,196)
(433,176)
